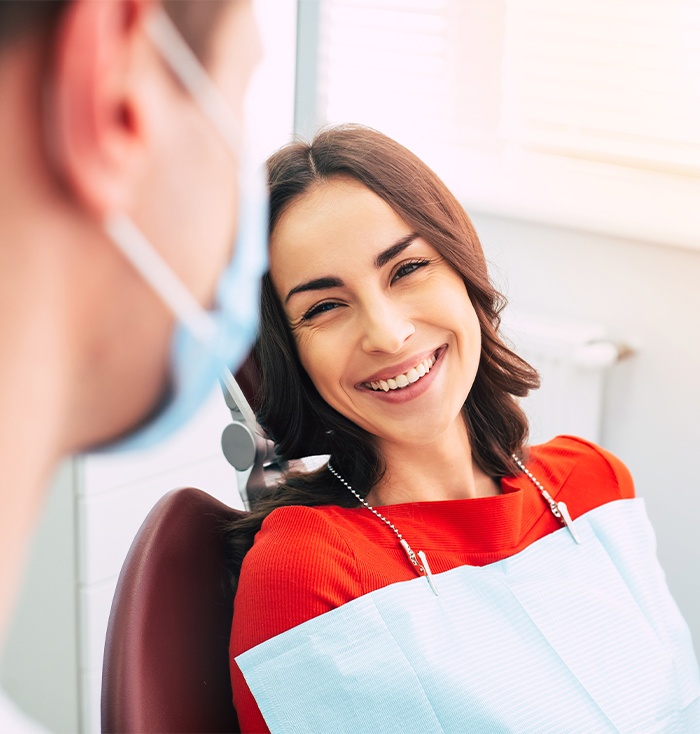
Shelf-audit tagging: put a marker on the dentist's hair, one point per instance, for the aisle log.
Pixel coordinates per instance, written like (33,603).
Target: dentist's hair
(290,408)
(196,20)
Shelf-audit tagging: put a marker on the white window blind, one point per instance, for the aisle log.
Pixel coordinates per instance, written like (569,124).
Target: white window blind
(612,80)
(516,101)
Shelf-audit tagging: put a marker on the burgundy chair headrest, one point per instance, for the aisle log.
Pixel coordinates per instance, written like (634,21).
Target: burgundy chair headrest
(248,379)
(166,663)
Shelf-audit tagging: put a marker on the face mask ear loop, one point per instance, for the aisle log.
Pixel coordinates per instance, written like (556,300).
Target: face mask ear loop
(188,69)
(138,250)
(184,64)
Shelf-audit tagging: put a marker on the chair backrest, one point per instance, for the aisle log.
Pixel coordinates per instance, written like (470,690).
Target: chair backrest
(166,663)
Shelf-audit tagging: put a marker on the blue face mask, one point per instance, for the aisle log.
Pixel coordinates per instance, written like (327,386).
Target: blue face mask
(206,345)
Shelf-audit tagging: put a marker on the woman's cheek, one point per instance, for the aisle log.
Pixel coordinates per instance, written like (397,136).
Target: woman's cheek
(314,359)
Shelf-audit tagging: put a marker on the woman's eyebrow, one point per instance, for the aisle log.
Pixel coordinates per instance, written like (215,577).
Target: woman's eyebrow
(396,249)
(326,282)
(318,284)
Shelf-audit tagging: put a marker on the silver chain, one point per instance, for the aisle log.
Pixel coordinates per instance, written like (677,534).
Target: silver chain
(409,551)
(559,509)
(553,506)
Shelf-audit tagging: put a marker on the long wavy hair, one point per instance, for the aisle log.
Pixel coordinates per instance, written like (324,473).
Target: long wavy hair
(290,408)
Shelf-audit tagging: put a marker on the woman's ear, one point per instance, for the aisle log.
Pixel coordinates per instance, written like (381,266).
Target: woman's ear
(94,117)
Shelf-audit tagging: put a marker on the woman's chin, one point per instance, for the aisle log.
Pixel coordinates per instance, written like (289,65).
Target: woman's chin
(422,433)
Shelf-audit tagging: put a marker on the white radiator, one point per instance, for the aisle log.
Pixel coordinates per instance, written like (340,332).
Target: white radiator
(573,360)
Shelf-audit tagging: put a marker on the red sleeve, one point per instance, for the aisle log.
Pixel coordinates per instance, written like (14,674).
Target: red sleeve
(298,568)
(583,474)
(623,478)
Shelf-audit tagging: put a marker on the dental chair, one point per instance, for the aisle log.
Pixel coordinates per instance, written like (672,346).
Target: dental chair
(166,665)
(166,654)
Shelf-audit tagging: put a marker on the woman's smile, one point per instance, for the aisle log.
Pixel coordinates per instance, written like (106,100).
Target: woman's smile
(398,384)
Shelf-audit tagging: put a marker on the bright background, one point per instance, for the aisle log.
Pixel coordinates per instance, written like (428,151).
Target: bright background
(571,133)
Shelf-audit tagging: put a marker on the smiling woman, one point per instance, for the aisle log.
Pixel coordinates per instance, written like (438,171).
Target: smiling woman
(356,191)
(410,584)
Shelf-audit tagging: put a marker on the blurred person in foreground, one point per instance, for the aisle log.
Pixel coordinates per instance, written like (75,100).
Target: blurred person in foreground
(132,238)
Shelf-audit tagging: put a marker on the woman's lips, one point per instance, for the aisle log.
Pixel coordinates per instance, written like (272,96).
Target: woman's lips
(408,384)
(404,379)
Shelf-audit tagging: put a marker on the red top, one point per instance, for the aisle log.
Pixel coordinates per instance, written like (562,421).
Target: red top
(308,560)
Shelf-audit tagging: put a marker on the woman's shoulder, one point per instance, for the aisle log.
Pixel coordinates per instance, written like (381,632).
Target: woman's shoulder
(295,537)
(575,463)
(299,562)
(302,524)
(293,518)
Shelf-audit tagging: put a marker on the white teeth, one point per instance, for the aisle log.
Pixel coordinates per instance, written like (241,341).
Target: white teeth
(413,375)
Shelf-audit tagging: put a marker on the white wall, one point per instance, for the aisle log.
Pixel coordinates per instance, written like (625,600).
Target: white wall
(648,295)
(39,663)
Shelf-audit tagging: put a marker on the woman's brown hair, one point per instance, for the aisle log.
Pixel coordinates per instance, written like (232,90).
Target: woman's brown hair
(290,409)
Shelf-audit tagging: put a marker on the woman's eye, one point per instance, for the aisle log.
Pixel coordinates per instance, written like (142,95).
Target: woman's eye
(407,268)
(319,308)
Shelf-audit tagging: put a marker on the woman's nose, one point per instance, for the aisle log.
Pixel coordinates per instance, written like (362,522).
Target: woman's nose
(385,328)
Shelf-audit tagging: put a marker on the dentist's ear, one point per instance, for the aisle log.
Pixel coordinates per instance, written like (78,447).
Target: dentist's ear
(94,116)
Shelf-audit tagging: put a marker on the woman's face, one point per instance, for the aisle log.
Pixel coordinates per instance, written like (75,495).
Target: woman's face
(383,325)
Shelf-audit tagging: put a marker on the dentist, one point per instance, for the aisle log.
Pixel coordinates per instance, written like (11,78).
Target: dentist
(132,234)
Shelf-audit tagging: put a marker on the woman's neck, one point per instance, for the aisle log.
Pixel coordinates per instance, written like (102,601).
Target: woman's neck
(440,470)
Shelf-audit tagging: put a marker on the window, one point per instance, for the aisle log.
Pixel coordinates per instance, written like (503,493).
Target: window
(584,113)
